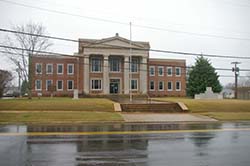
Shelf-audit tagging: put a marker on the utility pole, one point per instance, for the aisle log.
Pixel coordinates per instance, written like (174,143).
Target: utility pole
(236,71)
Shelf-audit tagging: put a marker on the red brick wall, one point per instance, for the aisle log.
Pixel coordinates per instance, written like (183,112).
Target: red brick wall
(54,76)
(167,63)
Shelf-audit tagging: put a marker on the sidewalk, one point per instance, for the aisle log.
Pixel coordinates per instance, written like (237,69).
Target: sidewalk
(163,117)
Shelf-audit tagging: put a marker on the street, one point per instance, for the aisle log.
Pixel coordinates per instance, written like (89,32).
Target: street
(126,144)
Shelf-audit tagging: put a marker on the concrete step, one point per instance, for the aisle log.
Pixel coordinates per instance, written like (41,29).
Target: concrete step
(153,107)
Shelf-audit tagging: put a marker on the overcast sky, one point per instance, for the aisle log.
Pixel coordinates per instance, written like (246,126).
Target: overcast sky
(178,25)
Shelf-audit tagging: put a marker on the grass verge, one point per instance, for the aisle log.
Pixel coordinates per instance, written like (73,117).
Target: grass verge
(56,104)
(58,117)
(227,109)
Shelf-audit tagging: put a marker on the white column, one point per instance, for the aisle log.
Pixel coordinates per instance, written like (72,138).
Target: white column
(105,74)
(143,75)
(126,75)
(86,74)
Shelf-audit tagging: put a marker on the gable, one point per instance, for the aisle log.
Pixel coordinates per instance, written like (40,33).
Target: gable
(116,42)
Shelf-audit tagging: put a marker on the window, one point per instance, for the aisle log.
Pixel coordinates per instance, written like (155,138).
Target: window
(151,70)
(38,85)
(70,84)
(161,86)
(59,68)
(48,85)
(49,68)
(152,85)
(96,84)
(177,71)
(70,69)
(59,85)
(160,71)
(134,65)
(114,64)
(38,68)
(96,65)
(170,87)
(169,71)
(178,85)
(134,84)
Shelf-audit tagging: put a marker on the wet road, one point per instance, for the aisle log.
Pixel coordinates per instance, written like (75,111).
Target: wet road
(126,145)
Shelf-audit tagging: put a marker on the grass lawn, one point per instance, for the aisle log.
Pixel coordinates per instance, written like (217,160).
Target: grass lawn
(56,104)
(58,117)
(227,109)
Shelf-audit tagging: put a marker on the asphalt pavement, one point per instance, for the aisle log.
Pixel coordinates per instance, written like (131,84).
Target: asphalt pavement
(159,144)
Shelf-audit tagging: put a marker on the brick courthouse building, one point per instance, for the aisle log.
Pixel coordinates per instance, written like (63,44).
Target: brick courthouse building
(101,67)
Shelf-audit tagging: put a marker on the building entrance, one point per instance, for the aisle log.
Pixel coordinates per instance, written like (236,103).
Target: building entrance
(114,86)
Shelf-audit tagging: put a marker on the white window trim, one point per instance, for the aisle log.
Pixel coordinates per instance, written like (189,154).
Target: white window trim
(162,86)
(49,64)
(41,68)
(47,84)
(72,85)
(73,68)
(171,71)
(160,67)
(151,67)
(150,85)
(136,85)
(57,85)
(91,65)
(171,86)
(120,65)
(62,68)
(179,86)
(175,71)
(36,85)
(91,84)
(137,64)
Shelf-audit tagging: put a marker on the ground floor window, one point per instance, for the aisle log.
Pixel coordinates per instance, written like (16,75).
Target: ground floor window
(96,84)
(170,86)
(38,85)
(152,85)
(70,84)
(178,85)
(134,84)
(161,86)
(59,85)
(48,85)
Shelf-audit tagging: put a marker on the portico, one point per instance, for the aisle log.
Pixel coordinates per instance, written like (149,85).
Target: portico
(107,68)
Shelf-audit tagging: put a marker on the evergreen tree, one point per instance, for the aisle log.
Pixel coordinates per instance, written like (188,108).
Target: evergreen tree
(202,75)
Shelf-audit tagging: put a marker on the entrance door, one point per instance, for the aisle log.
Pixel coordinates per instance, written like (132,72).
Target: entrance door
(114,86)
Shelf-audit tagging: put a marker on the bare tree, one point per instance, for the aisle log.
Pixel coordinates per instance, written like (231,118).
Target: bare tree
(5,79)
(30,45)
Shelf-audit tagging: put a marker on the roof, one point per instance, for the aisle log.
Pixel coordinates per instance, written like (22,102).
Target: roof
(89,42)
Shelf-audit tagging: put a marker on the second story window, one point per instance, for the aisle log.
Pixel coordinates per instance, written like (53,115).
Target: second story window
(38,68)
(134,65)
(49,68)
(169,71)
(151,71)
(70,68)
(59,68)
(96,65)
(114,64)
(177,71)
(160,71)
